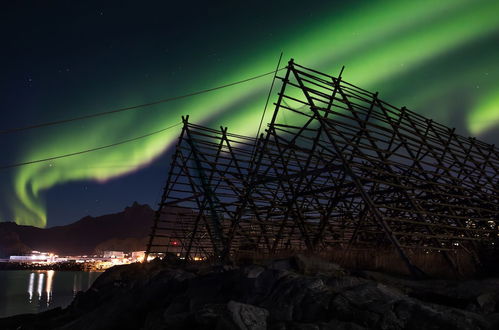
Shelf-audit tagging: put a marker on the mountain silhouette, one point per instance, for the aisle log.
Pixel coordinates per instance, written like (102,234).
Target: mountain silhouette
(127,230)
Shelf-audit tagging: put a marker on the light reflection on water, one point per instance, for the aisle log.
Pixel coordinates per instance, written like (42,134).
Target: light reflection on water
(48,286)
(30,286)
(24,291)
(40,285)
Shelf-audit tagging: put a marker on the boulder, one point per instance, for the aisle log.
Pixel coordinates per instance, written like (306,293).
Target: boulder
(298,298)
(314,265)
(340,325)
(377,306)
(245,317)
(487,302)
(253,271)
(288,264)
(209,315)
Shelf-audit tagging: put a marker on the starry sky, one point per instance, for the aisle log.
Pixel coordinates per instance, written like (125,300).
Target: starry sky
(72,58)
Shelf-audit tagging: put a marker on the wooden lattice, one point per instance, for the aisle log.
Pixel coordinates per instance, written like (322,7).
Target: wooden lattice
(337,167)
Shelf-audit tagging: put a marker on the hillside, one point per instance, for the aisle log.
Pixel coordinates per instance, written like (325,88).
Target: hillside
(131,225)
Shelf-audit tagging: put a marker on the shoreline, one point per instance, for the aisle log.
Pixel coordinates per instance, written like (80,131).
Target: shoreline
(299,292)
(60,266)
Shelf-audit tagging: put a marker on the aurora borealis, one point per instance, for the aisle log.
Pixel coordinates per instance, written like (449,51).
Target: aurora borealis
(440,59)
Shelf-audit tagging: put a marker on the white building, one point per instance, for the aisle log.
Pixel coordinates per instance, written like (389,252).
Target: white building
(35,256)
(114,254)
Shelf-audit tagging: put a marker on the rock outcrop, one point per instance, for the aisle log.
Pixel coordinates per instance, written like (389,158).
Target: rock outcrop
(294,293)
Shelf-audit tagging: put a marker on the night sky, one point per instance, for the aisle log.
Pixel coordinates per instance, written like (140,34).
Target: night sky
(72,58)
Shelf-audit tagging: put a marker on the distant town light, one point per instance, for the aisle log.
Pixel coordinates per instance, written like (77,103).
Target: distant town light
(95,262)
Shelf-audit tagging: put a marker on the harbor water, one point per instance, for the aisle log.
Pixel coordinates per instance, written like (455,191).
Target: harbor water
(27,291)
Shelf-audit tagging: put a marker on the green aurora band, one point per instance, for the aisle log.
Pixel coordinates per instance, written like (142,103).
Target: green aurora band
(393,47)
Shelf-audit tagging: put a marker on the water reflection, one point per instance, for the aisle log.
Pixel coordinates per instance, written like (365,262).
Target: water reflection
(81,281)
(27,291)
(41,281)
(41,277)
(48,286)
(76,284)
(30,286)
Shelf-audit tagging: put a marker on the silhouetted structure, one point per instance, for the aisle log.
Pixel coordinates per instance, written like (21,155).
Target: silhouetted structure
(337,167)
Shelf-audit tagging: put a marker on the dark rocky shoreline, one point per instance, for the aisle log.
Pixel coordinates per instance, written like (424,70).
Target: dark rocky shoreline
(60,266)
(294,293)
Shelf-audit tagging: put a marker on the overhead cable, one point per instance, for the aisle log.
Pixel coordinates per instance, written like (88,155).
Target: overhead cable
(135,107)
(89,150)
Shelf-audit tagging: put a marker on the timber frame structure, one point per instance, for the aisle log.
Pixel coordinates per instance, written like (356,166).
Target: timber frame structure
(336,167)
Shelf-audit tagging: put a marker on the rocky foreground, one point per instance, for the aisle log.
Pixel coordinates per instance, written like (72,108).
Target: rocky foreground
(295,293)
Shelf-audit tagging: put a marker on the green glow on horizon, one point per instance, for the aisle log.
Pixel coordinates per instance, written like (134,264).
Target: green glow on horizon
(376,42)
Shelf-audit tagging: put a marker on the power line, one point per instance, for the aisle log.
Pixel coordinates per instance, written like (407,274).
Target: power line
(267,103)
(89,150)
(135,107)
(268,96)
